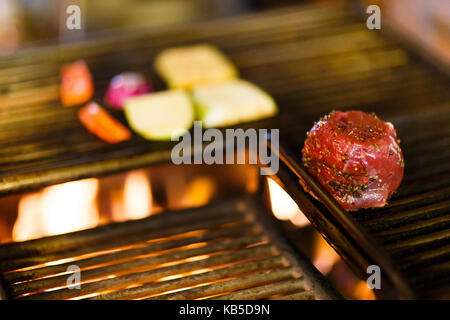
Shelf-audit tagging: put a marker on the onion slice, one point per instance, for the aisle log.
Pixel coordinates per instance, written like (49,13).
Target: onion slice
(124,86)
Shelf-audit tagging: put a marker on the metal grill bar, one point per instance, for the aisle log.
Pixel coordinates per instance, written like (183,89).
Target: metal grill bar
(231,285)
(425,258)
(387,222)
(412,245)
(266,291)
(207,277)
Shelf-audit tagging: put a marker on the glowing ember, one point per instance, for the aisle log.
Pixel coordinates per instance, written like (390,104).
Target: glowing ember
(172,277)
(27,225)
(57,209)
(363,292)
(199,191)
(197,258)
(200,271)
(283,207)
(137,195)
(135,201)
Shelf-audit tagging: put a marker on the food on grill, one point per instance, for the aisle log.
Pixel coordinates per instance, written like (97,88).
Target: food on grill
(100,123)
(125,85)
(356,157)
(232,102)
(185,67)
(76,84)
(160,115)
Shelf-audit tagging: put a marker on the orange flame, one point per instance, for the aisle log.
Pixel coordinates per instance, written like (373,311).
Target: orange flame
(135,202)
(57,209)
(283,206)
(324,255)
(199,191)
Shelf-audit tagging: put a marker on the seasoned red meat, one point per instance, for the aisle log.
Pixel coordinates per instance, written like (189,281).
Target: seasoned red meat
(356,157)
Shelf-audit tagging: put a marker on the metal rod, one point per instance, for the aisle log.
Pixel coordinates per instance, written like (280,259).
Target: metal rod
(37,273)
(261,292)
(234,284)
(215,275)
(402,217)
(425,258)
(416,243)
(153,275)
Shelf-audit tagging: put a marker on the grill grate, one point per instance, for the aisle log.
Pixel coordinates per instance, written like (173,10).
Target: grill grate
(413,229)
(221,251)
(312,59)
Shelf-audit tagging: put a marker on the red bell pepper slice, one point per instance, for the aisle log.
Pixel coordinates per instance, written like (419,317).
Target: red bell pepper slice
(100,123)
(76,83)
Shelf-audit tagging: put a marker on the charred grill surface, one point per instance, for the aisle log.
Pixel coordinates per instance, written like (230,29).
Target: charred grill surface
(312,59)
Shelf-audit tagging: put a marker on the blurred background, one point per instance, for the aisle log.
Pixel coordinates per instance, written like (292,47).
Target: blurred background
(34,22)
(27,21)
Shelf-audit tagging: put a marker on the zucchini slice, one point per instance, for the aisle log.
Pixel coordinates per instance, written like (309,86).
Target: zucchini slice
(161,115)
(232,102)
